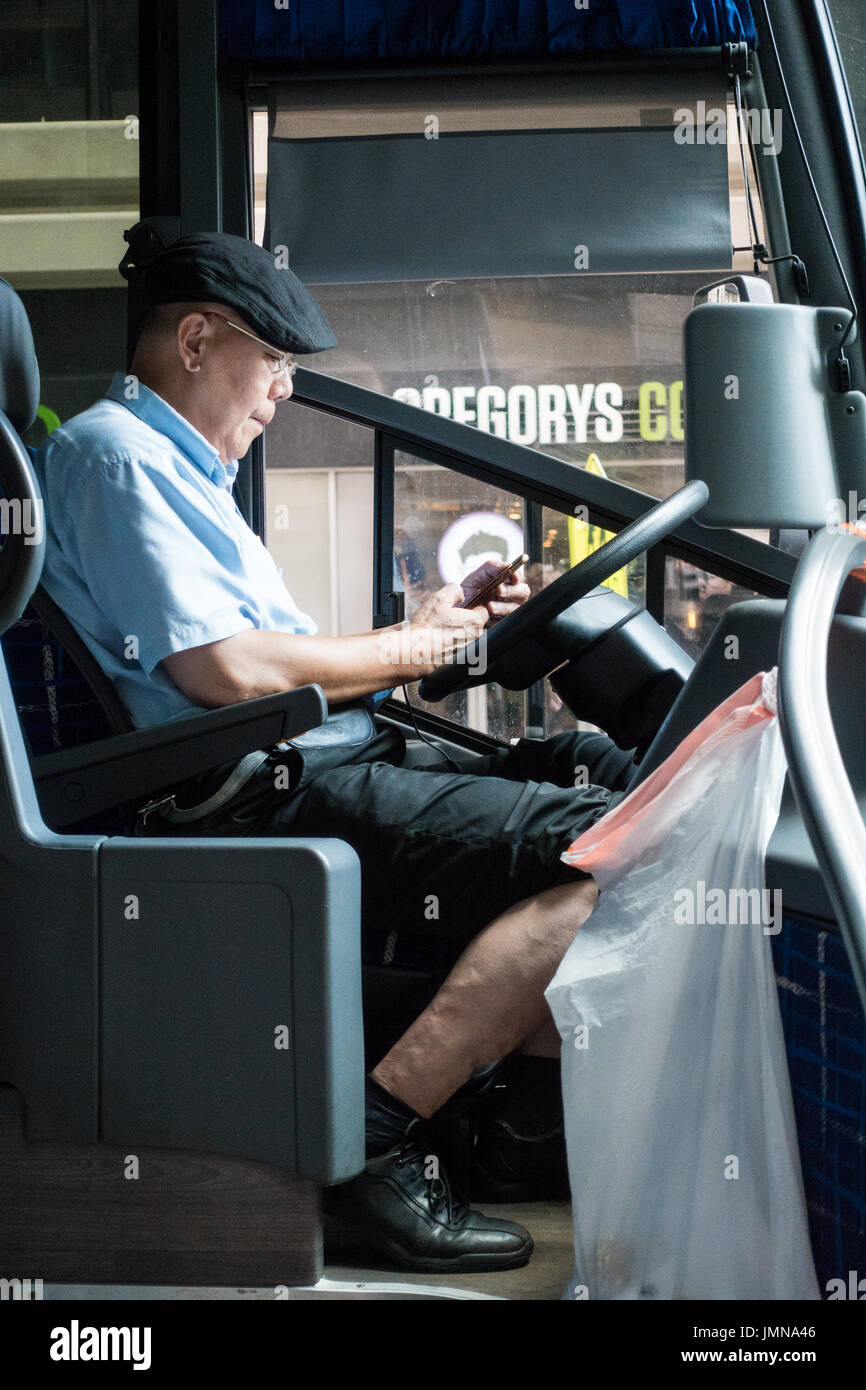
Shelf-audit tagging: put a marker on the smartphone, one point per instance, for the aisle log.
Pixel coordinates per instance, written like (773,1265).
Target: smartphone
(484,595)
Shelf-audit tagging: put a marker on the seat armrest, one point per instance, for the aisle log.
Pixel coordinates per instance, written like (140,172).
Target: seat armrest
(81,782)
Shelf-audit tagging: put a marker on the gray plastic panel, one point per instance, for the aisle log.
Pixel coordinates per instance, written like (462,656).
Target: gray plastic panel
(48,1007)
(765,426)
(329,1057)
(234,939)
(757,625)
(791,862)
(233,936)
(48,993)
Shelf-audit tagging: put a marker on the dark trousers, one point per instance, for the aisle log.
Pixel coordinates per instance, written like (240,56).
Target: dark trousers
(442,852)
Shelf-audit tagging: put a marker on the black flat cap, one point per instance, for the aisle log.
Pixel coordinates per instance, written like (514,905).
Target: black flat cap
(230,270)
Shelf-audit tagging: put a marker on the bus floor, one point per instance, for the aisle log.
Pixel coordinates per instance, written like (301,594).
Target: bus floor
(545,1277)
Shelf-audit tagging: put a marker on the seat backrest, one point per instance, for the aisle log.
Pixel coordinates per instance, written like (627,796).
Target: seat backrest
(61,695)
(55,703)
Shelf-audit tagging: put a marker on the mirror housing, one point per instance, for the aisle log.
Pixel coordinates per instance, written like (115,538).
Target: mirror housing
(765,428)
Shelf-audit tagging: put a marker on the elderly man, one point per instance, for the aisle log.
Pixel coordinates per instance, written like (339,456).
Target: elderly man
(183,607)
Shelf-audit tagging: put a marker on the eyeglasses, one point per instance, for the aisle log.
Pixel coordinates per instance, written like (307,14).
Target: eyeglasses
(283,359)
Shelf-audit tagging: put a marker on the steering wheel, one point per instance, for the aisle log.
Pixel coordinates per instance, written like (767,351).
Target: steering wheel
(500,640)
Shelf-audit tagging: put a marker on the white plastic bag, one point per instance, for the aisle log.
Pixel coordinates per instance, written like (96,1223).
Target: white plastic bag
(682,1145)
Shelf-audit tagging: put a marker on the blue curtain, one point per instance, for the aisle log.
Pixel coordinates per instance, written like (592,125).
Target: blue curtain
(343,30)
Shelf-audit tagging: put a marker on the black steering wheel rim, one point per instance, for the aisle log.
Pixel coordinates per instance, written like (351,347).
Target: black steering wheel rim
(496,642)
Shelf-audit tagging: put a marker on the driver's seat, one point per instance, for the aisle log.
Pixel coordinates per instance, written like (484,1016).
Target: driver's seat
(170,1100)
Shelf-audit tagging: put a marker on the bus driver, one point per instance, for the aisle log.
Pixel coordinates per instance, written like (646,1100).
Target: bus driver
(183,607)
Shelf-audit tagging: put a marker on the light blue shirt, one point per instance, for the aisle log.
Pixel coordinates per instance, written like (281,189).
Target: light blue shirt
(146,550)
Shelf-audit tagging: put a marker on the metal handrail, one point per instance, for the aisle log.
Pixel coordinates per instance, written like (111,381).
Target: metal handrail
(818,776)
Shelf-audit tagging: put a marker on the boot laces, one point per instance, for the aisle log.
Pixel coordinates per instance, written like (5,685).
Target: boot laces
(440,1194)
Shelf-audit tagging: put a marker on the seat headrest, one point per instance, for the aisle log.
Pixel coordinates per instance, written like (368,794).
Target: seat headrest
(19,371)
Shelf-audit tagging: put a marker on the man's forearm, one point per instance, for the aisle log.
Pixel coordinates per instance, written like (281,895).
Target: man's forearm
(256,662)
(345,667)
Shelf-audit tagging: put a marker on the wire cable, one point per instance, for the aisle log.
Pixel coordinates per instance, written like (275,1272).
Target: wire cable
(424,738)
(745,135)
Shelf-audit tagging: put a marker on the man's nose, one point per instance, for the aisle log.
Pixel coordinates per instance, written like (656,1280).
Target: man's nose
(281,386)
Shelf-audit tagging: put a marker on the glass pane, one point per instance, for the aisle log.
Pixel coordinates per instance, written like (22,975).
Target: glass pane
(849,21)
(568,540)
(445,525)
(69,187)
(319,515)
(579,367)
(574,365)
(68,60)
(583,366)
(695,603)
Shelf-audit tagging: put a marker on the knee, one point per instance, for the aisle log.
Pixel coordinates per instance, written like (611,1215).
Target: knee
(576,899)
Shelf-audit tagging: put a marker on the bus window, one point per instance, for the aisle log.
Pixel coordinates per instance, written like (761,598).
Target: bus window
(695,603)
(584,366)
(69,182)
(319,515)
(847,16)
(445,525)
(567,363)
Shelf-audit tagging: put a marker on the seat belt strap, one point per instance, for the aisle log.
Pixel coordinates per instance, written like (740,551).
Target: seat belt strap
(236,779)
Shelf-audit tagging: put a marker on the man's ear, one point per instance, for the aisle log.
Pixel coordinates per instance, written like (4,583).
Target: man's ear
(192,333)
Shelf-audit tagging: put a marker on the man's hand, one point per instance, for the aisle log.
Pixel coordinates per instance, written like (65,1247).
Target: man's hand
(438,628)
(508,596)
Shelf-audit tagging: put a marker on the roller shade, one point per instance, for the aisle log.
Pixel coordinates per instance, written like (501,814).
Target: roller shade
(432,197)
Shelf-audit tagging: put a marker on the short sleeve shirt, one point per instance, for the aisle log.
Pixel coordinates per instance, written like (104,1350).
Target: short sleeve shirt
(146,550)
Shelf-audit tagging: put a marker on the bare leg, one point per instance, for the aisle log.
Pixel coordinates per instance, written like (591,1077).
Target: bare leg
(491,1002)
(545,1043)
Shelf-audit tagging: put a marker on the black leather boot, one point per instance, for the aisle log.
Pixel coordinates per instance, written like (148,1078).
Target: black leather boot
(518,1143)
(402,1207)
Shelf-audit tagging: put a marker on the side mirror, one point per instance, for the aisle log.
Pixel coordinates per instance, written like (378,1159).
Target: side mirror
(766,429)
(735,289)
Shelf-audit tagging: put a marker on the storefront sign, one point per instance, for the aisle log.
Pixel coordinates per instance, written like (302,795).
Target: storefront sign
(558,414)
(474,538)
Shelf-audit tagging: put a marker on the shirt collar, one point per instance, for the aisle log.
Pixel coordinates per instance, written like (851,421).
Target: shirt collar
(150,408)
